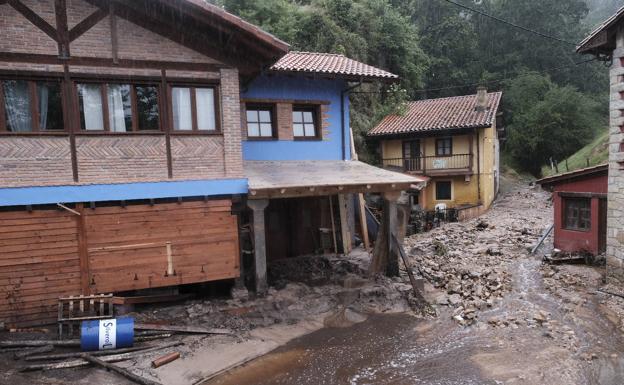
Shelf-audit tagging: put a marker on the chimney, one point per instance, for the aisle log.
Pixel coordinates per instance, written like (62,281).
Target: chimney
(482,99)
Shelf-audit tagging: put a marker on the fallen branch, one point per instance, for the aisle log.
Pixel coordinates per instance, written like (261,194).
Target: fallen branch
(121,371)
(164,360)
(611,293)
(81,362)
(60,356)
(30,351)
(181,329)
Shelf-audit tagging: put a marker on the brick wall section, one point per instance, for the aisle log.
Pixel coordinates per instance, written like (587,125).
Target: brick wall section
(615,220)
(117,159)
(96,42)
(20,35)
(197,157)
(231,123)
(26,160)
(284,121)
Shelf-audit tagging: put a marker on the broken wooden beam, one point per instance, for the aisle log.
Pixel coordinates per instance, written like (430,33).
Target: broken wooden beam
(38,343)
(82,362)
(182,329)
(60,356)
(164,360)
(121,371)
(25,353)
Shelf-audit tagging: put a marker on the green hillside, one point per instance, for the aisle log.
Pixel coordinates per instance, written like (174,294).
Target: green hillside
(597,152)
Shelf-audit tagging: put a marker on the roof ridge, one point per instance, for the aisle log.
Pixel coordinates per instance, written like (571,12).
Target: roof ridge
(454,97)
(316,53)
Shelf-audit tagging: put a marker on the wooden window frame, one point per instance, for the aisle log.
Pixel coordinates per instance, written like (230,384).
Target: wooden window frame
(437,147)
(450,182)
(193,86)
(34,105)
(134,129)
(271,107)
(579,219)
(316,115)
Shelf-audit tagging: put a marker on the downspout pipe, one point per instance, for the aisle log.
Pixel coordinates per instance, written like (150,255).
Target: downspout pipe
(345,93)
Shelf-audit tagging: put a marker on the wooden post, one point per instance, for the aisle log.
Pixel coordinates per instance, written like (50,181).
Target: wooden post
(258,206)
(333,223)
(344,225)
(363,224)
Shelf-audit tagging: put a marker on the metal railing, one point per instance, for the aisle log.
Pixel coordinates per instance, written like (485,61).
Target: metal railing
(430,163)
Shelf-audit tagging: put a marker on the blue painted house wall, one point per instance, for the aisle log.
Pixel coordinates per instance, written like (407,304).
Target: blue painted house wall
(282,87)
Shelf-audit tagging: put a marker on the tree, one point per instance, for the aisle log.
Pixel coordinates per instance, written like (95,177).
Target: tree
(547,121)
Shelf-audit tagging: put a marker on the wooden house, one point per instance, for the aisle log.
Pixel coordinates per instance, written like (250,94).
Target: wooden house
(127,151)
(607,43)
(580,208)
(453,142)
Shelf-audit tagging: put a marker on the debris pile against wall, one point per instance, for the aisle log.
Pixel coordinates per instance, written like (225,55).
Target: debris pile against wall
(301,288)
(468,262)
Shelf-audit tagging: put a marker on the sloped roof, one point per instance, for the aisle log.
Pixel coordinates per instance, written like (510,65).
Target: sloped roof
(599,38)
(581,173)
(329,64)
(440,114)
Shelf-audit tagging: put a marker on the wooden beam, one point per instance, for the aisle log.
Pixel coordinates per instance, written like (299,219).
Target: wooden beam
(86,24)
(113,31)
(102,62)
(363,223)
(344,226)
(34,18)
(60,11)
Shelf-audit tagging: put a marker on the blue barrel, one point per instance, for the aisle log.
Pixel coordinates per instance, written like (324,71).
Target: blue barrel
(113,333)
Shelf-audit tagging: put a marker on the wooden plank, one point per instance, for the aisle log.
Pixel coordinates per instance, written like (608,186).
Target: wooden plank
(181,329)
(8,250)
(363,223)
(344,228)
(113,32)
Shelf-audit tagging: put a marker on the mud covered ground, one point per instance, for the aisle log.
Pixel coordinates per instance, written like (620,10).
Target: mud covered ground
(503,317)
(499,315)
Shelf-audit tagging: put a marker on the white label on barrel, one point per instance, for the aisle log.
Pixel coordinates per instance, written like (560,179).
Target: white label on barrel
(108,334)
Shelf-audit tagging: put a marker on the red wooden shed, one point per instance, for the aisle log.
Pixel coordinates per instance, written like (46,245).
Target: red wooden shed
(580,199)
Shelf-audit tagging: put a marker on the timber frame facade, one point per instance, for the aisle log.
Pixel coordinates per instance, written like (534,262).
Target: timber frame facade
(132,158)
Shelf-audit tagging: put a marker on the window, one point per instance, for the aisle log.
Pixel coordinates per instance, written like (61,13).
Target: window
(118,107)
(305,122)
(444,147)
(443,191)
(194,109)
(260,121)
(30,106)
(577,214)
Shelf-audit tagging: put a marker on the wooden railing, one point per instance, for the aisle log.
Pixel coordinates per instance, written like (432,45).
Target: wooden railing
(423,164)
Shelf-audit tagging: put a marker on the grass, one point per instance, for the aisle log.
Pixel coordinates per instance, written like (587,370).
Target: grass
(596,152)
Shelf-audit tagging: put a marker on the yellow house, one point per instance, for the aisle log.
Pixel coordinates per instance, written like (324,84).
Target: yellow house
(452,141)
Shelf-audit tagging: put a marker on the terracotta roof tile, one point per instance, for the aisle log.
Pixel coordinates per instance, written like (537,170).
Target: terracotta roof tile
(328,63)
(440,114)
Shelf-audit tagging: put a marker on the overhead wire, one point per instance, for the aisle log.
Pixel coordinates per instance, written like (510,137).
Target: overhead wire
(495,81)
(500,20)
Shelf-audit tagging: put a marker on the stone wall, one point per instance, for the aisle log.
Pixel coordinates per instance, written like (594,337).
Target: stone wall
(615,221)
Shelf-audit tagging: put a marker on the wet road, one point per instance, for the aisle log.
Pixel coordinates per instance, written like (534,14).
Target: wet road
(400,349)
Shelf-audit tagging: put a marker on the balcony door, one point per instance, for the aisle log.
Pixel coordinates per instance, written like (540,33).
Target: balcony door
(411,155)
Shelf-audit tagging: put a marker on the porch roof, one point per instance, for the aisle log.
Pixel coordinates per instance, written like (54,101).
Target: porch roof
(287,179)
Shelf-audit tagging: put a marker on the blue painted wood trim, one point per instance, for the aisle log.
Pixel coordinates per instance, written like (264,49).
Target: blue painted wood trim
(19,196)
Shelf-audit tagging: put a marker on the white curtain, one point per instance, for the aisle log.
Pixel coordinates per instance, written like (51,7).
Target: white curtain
(43,93)
(182,115)
(92,107)
(205,103)
(17,103)
(116,110)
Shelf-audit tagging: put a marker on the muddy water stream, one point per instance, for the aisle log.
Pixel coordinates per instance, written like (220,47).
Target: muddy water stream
(399,349)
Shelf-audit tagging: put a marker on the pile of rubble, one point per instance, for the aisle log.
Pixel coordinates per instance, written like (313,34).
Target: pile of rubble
(469,261)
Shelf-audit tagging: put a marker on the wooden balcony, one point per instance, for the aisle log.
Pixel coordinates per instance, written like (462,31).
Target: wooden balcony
(459,164)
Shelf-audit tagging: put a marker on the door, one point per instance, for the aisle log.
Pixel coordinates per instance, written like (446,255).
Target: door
(411,155)
(602,225)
